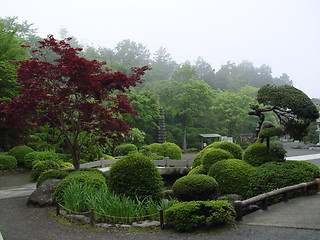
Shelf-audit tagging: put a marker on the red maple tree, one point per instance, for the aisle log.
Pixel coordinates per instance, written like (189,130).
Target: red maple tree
(72,94)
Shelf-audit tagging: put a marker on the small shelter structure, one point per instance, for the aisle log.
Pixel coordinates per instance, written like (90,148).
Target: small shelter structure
(202,138)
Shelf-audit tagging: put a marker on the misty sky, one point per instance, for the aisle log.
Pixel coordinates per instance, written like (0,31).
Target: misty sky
(283,34)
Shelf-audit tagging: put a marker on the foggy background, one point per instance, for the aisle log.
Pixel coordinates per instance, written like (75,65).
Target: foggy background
(283,34)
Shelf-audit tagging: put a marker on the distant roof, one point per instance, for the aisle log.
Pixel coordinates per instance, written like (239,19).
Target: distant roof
(209,135)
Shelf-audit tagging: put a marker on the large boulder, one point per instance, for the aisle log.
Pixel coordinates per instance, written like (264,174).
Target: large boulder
(44,194)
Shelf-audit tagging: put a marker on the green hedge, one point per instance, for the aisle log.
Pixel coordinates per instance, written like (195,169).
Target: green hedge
(232,175)
(188,216)
(135,175)
(257,154)
(212,155)
(167,149)
(52,174)
(19,153)
(195,187)
(274,175)
(41,167)
(87,177)
(8,162)
(124,149)
(34,157)
(230,147)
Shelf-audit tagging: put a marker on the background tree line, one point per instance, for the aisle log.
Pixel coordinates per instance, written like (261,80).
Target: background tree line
(196,97)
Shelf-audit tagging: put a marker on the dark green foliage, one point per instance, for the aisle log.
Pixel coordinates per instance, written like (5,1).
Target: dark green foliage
(171,150)
(232,175)
(42,166)
(278,153)
(274,175)
(92,178)
(19,152)
(34,157)
(188,216)
(135,175)
(124,149)
(257,154)
(270,132)
(7,162)
(212,156)
(230,147)
(52,174)
(195,187)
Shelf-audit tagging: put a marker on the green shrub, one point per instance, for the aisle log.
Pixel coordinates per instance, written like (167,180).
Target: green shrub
(171,150)
(232,175)
(195,187)
(66,165)
(34,157)
(197,160)
(278,153)
(156,148)
(257,154)
(230,147)
(42,166)
(212,156)
(135,175)
(7,162)
(92,178)
(195,170)
(51,174)
(274,175)
(188,216)
(19,153)
(270,132)
(124,149)
(106,156)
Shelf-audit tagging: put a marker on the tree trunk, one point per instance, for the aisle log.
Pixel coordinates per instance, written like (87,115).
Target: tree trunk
(75,153)
(184,137)
(259,124)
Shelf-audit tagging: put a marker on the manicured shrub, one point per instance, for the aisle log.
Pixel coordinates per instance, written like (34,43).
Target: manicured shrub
(212,155)
(66,165)
(92,178)
(42,166)
(230,147)
(51,174)
(124,149)
(195,187)
(7,162)
(232,175)
(197,160)
(135,175)
(274,175)
(188,216)
(106,156)
(195,170)
(171,150)
(156,148)
(34,157)
(278,153)
(19,153)
(257,154)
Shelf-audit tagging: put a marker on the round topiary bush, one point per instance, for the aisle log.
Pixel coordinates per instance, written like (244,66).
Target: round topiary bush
(195,187)
(19,153)
(274,175)
(51,174)
(232,175)
(187,216)
(135,175)
(42,166)
(212,155)
(197,160)
(196,170)
(8,162)
(257,154)
(156,148)
(171,150)
(34,157)
(124,149)
(92,178)
(230,147)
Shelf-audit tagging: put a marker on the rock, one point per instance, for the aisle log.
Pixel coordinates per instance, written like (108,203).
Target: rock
(103,225)
(78,219)
(231,198)
(43,195)
(146,224)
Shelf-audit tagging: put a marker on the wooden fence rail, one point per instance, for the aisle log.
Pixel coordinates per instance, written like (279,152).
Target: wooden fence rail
(263,198)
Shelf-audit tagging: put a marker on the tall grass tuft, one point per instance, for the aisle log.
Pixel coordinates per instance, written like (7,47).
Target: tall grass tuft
(110,207)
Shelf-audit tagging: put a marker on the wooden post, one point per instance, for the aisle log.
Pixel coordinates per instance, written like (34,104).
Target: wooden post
(264,203)
(286,196)
(166,161)
(304,189)
(92,216)
(238,209)
(58,209)
(318,182)
(161,218)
